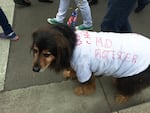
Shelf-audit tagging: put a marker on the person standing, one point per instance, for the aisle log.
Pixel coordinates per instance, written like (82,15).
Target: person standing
(85,12)
(116,17)
(8,31)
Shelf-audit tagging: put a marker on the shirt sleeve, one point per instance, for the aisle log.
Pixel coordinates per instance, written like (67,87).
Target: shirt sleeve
(83,71)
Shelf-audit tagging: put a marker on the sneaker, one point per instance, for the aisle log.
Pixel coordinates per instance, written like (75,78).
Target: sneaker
(11,36)
(48,1)
(92,2)
(139,9)
(53,21)
(82,27)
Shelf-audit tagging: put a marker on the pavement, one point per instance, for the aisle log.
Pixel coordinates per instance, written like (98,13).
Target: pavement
(23,91)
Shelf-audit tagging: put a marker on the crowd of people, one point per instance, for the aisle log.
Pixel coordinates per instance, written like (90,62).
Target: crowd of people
(115,19)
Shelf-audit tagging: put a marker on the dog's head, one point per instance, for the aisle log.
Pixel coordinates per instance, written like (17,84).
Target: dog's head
(53,47)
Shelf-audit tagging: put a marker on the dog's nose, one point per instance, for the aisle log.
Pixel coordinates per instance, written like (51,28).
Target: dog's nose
(36,68)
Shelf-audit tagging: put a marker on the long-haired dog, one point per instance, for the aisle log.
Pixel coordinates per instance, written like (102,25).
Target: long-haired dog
(85,54)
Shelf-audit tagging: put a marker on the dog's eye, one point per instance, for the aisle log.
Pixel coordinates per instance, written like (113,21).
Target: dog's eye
(46,55)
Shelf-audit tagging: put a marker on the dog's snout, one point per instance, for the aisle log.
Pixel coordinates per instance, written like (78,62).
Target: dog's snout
(36,68)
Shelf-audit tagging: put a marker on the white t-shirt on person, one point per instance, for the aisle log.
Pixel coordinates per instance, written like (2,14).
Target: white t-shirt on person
(107,53)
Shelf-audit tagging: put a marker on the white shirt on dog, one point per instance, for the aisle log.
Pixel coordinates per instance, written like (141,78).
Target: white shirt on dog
(110,54)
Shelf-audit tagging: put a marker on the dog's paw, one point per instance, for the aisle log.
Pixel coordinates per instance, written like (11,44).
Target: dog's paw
(78,91)
(69,74)
(120,99)
(66,74)
(84,90)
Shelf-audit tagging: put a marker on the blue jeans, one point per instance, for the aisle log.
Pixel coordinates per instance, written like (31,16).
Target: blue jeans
(4,23)
(116,18)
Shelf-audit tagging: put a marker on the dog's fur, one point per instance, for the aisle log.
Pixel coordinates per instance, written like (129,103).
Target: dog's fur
(53,47)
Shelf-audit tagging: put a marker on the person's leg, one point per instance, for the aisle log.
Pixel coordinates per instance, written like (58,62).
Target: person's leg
(126,27)
(62,11)
(109,23)
(126,11)
(116,18)
(61,14)
(8,32)
(86,14)
(4,23)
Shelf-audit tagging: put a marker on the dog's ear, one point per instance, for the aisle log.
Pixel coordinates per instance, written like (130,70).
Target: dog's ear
(64,53)
(32,45)
(34,35)
(68,33)
(65,39)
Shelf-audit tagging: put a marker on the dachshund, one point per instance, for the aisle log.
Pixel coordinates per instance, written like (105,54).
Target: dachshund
(86,54)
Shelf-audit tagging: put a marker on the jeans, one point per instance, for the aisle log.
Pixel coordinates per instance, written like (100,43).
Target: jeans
(116,18)
(83,6)
(4,23)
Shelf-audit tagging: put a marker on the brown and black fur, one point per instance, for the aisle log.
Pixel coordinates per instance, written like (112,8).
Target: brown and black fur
(61,44)
(128,86)
(60,41)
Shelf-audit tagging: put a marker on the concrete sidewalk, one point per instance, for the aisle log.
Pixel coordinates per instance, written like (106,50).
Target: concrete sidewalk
(59,98)
(52,98)
(8,8)
(142,108)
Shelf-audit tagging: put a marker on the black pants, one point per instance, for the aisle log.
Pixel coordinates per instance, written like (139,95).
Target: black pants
(116,17)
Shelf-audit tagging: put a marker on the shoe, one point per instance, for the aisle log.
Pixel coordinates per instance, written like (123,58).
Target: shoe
(53,21)
(48,1)
(11,36)
(140,8)
(82,27)
(92,2)
(15,38)
(25,3)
